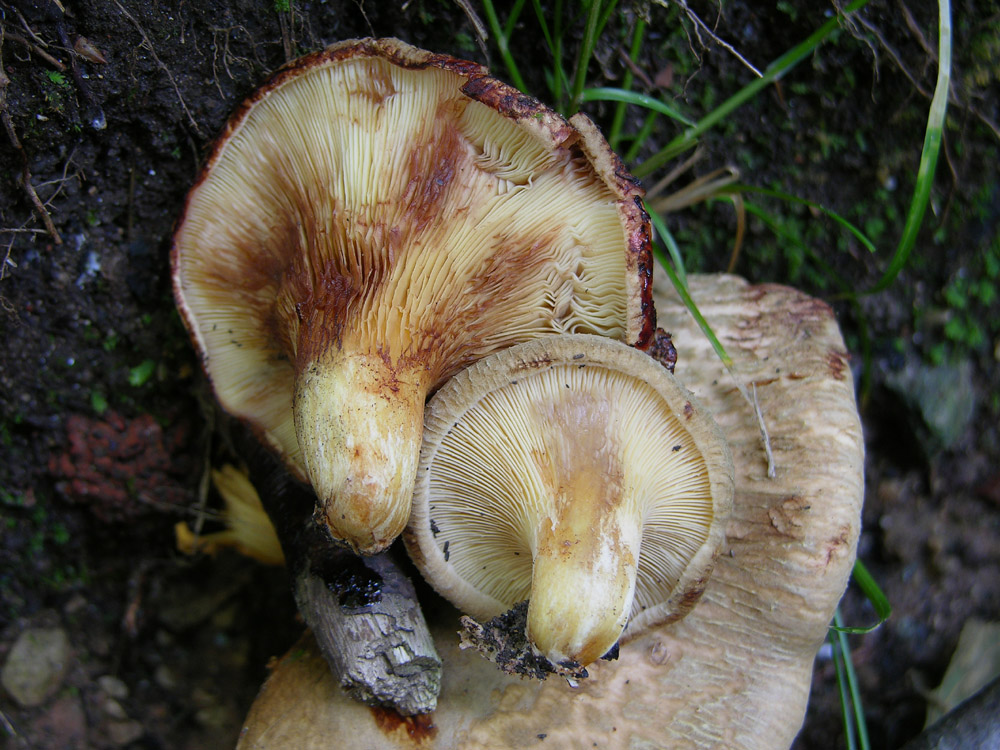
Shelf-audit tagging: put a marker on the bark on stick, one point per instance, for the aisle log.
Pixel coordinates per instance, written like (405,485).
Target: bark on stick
(363,611)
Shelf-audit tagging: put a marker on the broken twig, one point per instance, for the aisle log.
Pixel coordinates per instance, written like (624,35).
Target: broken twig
(8,125)
(362,610)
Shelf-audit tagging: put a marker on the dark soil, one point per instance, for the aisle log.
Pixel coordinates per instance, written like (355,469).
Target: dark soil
(107,428)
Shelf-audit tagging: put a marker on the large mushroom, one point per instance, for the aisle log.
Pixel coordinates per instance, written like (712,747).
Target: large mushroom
(373,220)
(734,673)
(576,473)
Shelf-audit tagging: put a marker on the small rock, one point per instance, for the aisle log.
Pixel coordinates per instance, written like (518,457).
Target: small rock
(36,665)
(113,710)
(216,717)
(100,644)
(124,732)
(63,725)
(164,677)
(75,604)
(943,397)
(203,698)
(112,687)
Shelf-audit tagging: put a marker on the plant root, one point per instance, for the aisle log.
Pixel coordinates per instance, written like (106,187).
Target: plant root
(29,189)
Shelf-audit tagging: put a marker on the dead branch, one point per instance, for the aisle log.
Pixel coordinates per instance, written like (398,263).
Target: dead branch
(636,70)
(93,112)
(362,610)
(699,24)
(477,23)
(8,125)
(3,268)
(287,42)
(36,49)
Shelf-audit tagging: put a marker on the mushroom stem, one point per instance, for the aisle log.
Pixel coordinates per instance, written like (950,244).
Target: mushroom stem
(358,421)
(584,573)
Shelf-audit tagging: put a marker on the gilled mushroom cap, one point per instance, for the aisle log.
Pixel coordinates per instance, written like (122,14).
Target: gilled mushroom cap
(736,671)
(374,219)
(574,472)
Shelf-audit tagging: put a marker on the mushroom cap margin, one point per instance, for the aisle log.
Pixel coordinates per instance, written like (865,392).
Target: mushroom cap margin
(543,124)
(510,370)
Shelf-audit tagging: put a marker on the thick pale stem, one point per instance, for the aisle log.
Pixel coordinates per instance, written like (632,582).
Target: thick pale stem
(583,579)
(358,421)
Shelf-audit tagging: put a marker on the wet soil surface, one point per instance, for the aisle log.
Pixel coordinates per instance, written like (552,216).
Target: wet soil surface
(106,425)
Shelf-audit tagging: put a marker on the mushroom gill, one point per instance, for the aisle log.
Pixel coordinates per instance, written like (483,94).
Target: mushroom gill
(573,472)
(374,219)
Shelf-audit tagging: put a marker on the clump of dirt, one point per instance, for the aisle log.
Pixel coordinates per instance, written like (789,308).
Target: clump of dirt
(121,470)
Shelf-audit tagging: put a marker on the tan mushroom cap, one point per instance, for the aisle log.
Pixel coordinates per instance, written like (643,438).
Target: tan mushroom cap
(577,473)
(734,673)
(374,219)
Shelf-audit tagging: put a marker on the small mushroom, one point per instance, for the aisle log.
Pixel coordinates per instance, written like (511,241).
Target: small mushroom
(575,472)
(248,529)
(374,219)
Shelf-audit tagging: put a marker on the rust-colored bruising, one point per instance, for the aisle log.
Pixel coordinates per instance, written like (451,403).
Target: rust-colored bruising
(531,365)
(839,545)
(420,728)
(510,102)
(324,295)
(640,265)
(836,362)
(321,308)
(332,279)
(682,605)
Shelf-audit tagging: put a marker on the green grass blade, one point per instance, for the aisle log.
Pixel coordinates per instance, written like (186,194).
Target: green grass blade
(774,71)
(508,58)
(929,155)
(856,710)
(873,592)
(843,692)
(618,122)
(689,303)
(640,138)
(584,53)
(789,198)
(681,287)
(512,19)
(775,226)
(679,281)
(633,97)
(603,21)
(557,36)
(560,82)
(668,239)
